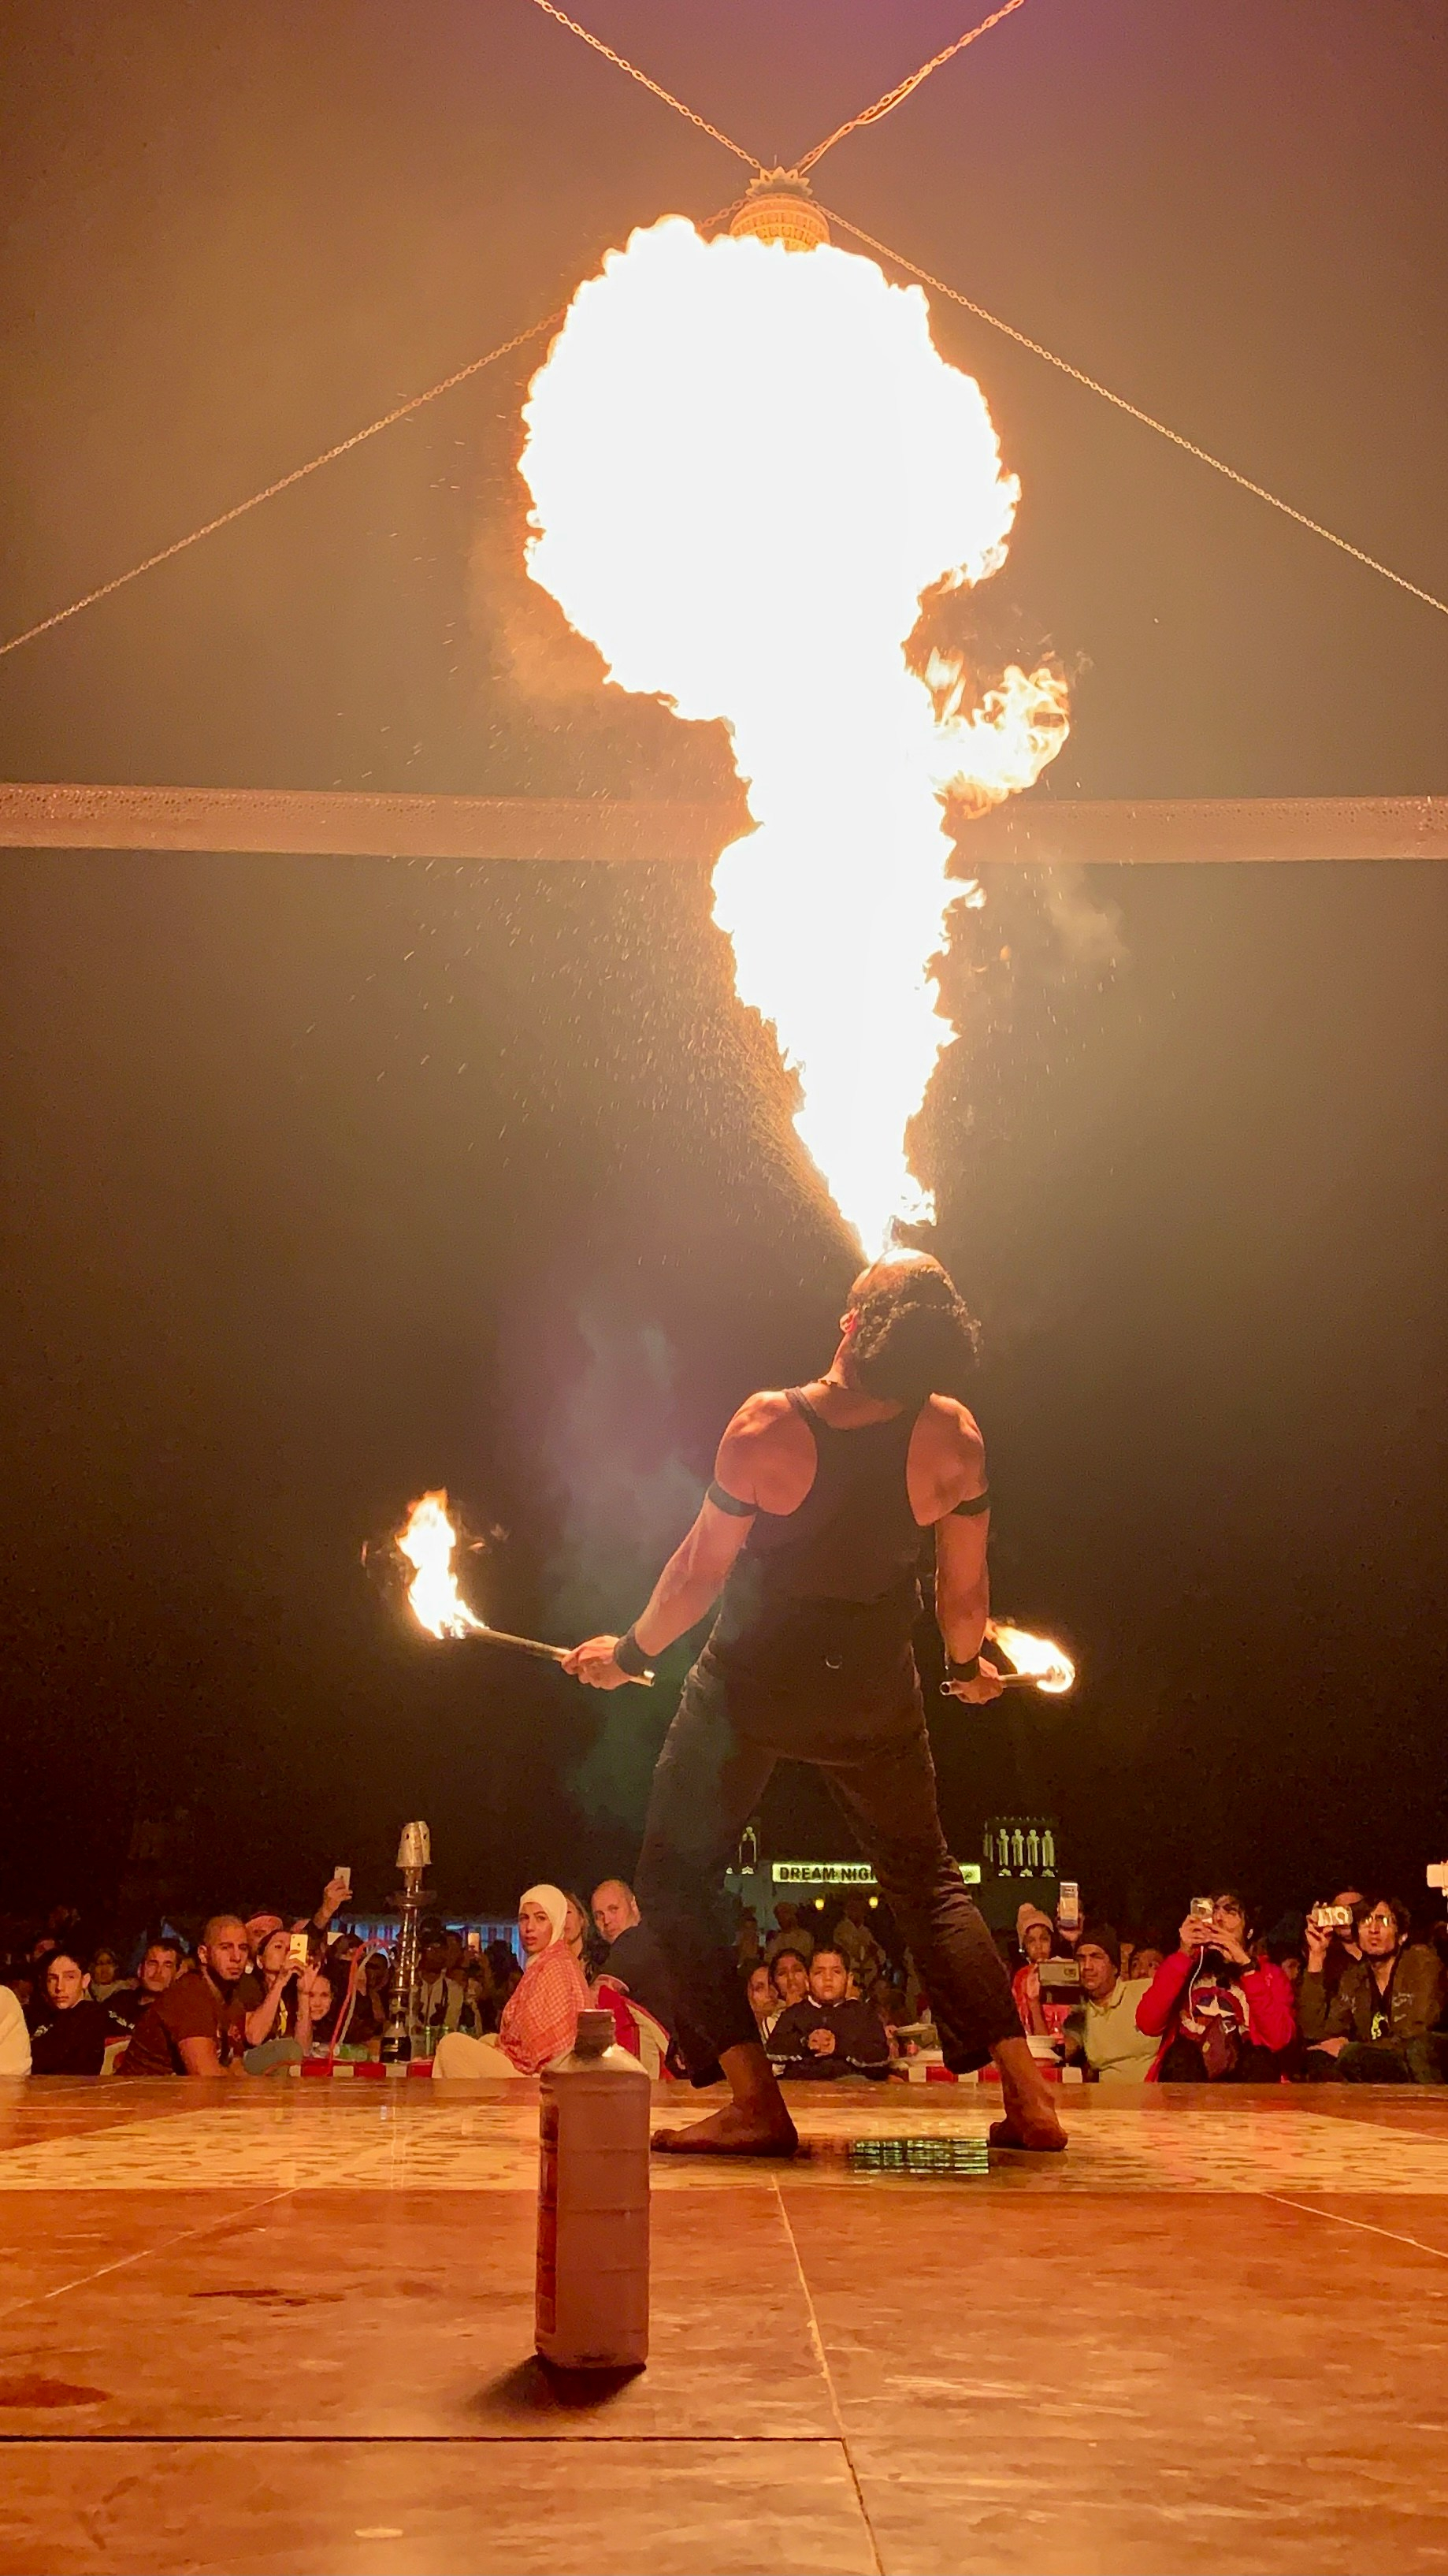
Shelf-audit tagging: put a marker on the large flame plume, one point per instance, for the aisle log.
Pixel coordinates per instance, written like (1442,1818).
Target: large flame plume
(747,465)
(428,1540)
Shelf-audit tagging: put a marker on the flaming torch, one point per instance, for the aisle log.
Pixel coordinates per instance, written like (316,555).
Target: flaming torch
(428,1542)
(1039,1664)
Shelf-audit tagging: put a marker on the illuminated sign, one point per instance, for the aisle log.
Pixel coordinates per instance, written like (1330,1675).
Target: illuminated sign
(844,1873)
(823,1873)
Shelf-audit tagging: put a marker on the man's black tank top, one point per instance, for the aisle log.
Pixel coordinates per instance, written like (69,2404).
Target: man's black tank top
(821,1601)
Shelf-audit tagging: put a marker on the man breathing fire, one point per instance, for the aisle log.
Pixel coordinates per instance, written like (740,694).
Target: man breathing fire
(809,1540)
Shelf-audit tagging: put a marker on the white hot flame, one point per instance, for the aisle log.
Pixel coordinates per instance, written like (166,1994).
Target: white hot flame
(747,464)
(1050,1670)
(428,1542)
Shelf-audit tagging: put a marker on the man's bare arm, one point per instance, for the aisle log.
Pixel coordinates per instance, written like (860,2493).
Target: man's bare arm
(962,1583)
(962,1540)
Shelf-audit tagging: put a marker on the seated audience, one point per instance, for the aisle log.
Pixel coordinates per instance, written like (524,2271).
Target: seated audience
(633,1956)
(826,2035)
(1040,2017)
(14,2034)
(260,1922)
(159,1963)
(855,1940)
(789,1932)
(1344,1949)
(1102,2034)
(296,2008)
(440,1999)
(504,1971)
(198,2026)
(107,1984)
(540,2020)
(1380,2027)
(1220,2018)
(69,2033)
(581,1938)
(763,2001)
(789,1974)
(369,2008)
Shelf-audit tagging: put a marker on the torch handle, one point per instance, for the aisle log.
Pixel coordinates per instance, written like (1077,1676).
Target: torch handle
(1008,1681)
(522,1645)
(531,1646)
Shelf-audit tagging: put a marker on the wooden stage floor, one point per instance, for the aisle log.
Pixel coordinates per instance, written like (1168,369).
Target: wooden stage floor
(285,2329)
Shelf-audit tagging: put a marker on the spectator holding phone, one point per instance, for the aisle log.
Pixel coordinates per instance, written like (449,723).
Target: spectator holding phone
(1220,2017)
(1041,2017)
(296,2002)
(1380,2025)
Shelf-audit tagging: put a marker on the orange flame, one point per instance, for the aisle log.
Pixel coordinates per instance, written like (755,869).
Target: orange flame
(1049,1669)
(747,465)
(428,1541)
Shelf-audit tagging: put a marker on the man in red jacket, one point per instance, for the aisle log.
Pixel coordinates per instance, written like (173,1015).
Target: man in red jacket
(1221,2018)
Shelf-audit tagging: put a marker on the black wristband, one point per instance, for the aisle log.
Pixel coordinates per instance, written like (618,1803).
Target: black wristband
(967,1672)
(630,1658)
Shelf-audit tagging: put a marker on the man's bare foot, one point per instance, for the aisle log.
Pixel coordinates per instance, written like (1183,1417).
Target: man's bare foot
(738,2130)
(1036,2135)
(1030,2120)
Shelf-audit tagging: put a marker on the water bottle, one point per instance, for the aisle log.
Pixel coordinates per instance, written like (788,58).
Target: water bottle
(593,2205)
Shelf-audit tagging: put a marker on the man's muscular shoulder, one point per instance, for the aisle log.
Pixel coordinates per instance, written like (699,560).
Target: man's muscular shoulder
(766,1439)
(760,1414)
(947,1458)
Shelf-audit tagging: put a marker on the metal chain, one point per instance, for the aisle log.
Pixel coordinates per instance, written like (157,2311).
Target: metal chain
(284,482)
(622,63)
(903,89)
(1188,446)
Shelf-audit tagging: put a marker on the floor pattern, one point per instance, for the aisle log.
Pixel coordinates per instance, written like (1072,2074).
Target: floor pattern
(270,2331)
(479,2138)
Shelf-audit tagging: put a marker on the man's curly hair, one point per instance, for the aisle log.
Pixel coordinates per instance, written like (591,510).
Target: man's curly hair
(914,1336)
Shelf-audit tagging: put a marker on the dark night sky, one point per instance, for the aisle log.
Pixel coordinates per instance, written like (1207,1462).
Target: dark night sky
(327,1179)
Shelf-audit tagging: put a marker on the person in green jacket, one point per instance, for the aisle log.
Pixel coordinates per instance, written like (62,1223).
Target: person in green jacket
(1380,2027)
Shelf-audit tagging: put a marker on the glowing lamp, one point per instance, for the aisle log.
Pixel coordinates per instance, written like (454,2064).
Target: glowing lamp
(782,208)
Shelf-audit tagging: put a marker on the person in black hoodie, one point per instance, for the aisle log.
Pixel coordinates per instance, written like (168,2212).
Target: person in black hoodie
(829,2035)
(71,2028)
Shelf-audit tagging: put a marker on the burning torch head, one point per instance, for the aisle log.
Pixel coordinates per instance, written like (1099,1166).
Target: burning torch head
(1037,1658)
(416,1565)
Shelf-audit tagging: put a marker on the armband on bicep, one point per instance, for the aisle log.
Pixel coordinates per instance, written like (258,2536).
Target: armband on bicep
(968,1510)
(730,1503)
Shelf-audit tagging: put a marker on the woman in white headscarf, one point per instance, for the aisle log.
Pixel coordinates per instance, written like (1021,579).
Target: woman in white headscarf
(540,2018)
